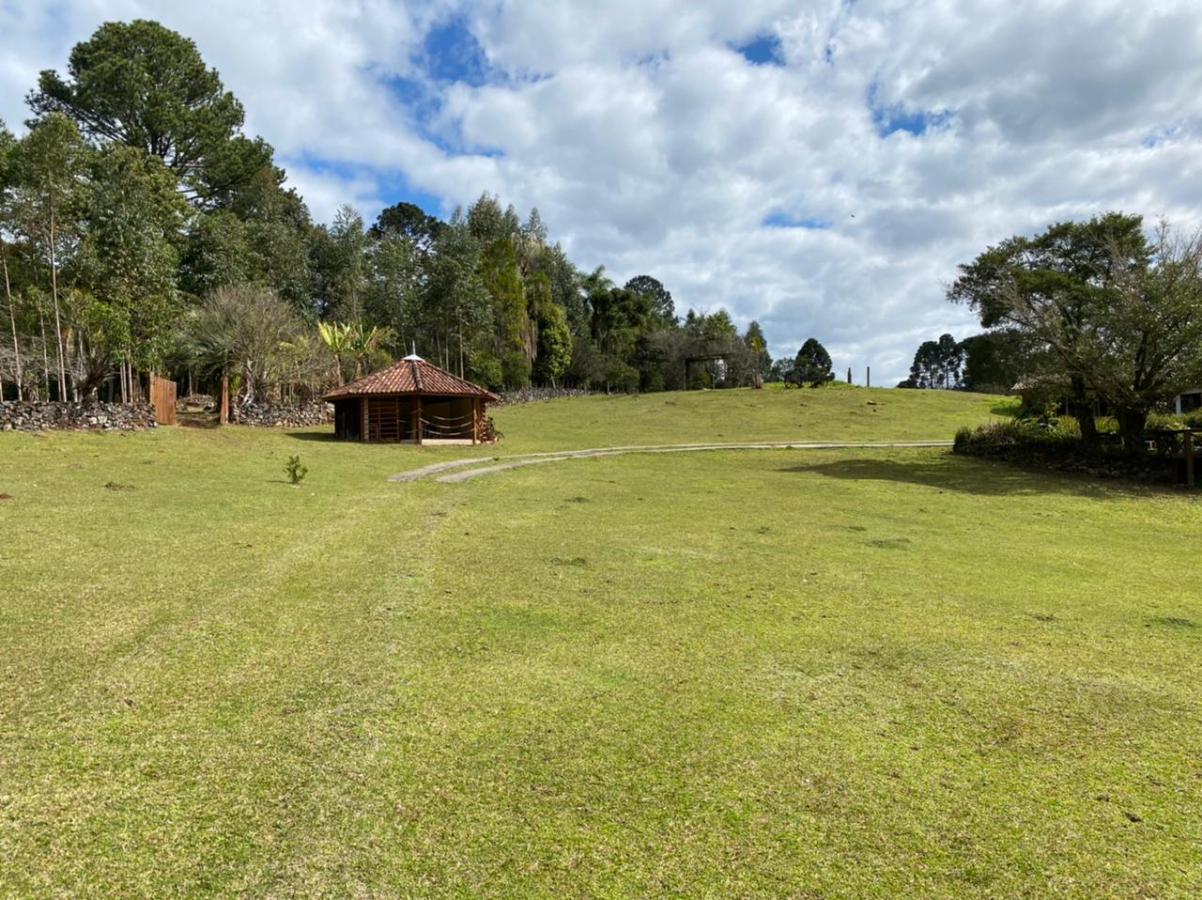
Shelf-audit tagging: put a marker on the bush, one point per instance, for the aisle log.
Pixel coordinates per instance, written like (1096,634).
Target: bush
(1057,445)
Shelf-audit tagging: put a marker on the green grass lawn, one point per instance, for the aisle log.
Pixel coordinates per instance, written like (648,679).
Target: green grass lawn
(834,413)
(839,673)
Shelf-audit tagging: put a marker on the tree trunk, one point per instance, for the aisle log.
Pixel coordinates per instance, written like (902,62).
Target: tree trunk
(12,320)
(1080,407)
(45,351)
(1132,424)
(58,324)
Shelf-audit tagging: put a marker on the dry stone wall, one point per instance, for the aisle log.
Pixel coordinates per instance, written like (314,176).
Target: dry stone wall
(282,415)
(92,416)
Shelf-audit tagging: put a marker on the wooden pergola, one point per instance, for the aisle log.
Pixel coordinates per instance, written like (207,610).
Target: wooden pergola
(411,401)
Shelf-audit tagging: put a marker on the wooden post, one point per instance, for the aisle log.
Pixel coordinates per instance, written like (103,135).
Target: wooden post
(363,422)
(475,420)
(1189,459)
(868,379)
(417,418)
(849,374)
(223,417)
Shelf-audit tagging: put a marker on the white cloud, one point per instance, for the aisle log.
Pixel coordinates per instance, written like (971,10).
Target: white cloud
(650,145)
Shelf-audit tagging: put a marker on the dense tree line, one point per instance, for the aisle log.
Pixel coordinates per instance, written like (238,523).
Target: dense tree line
(141,230)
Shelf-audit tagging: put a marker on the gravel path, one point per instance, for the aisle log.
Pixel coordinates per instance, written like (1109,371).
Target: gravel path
(457,471)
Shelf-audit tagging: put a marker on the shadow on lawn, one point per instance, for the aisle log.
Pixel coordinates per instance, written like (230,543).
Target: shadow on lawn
(971,476)
(322,436)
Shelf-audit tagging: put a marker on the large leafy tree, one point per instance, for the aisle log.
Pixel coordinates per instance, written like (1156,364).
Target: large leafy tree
(813,364)
(397,276)
(662,307)
(1147,345)
(340,268)
(128,261)
(502,279)
(51,165)
(145,86)
(409,221)
(1059,288)
(997,360)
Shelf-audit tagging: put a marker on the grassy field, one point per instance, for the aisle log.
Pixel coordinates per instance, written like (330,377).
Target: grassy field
(841,673)
(834,413)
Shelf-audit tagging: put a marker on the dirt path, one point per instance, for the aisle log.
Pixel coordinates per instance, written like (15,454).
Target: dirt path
(457,471)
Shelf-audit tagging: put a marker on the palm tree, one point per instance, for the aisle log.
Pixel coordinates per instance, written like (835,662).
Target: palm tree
(338,337)
(363,344)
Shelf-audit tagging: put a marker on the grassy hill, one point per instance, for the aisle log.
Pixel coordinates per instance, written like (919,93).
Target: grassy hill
(833,413)
(857,673)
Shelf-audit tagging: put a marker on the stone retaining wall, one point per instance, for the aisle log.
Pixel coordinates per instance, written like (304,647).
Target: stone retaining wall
(282,415)
(92,416)
(539,394)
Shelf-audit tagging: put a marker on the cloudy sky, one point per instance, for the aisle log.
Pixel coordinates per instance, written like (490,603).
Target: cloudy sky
(819,166)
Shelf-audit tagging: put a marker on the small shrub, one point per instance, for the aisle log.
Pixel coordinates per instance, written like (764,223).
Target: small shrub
(296,472)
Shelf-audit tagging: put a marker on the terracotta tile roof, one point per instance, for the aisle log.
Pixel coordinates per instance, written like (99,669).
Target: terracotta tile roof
(411,375)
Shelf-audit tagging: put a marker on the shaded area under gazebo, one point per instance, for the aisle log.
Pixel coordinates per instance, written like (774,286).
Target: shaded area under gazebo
(411,401)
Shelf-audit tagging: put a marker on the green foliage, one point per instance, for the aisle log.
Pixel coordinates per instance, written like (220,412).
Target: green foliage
(128,257)
(410,222)
(342,266)
(295,471)
(813,364)
(937,364)
(554,345)
(997,360)
(245,331)
(158,199)
(662,307)
(1120,318)
(145,86)
(502,279)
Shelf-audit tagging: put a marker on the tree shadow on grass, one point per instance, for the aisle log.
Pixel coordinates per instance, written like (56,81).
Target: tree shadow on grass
(321,436)
(974,476)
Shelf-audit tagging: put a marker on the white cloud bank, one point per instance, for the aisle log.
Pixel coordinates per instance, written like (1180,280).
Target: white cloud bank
(898,139)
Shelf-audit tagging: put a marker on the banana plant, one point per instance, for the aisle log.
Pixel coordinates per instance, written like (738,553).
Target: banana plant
(339,337)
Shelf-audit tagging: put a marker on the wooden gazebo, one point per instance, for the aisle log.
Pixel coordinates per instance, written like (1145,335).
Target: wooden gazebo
(412,401)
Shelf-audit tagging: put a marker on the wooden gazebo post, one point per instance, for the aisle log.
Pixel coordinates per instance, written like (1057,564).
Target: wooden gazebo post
(417,418)
(475,420)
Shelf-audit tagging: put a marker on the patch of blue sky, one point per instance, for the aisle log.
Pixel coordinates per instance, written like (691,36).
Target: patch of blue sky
(451,53)
(762,50)
(394,186)
(894,117)
(785,220)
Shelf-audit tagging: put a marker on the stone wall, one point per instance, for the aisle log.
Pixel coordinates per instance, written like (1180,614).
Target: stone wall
(539,394)
(91,416)
(282,415)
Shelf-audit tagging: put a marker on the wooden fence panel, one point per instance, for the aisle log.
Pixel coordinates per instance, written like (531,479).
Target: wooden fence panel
(162,396)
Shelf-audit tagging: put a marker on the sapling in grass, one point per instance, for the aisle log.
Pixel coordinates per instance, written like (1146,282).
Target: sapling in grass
(296,471)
